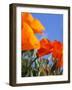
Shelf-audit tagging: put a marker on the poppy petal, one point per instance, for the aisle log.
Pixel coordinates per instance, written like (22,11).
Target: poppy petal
(29,40)
(37,26)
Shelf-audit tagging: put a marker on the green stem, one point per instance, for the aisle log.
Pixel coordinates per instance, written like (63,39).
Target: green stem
(33,61)
(29,68)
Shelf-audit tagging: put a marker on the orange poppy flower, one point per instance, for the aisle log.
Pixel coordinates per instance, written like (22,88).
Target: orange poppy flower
(26,17)
(57,52)
(29,40)
(37,26)
(45,47)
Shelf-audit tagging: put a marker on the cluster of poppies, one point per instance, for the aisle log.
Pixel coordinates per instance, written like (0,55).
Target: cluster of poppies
(30,27)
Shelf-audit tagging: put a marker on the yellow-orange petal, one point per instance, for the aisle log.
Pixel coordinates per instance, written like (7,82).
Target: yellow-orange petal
(37,26)
(27,17)
(29,40)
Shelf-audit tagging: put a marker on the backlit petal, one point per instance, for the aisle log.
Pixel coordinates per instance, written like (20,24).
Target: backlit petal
(29,40)
(37,26)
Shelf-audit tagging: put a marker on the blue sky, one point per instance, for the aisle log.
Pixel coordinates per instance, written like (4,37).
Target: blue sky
(53,24)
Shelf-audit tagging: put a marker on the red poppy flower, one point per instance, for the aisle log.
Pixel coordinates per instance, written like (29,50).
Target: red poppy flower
(45,47)
(57,52)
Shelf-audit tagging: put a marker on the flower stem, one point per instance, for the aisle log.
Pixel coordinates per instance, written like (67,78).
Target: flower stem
(33,61)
